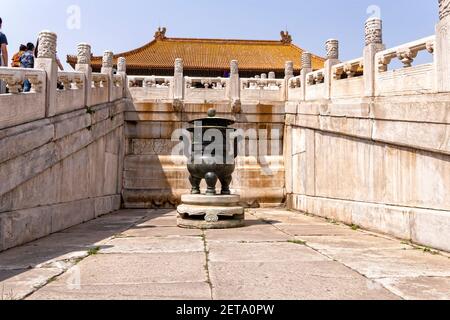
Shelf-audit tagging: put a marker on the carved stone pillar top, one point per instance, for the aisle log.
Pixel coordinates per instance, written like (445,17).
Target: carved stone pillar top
(289,69)
(107,61)
(234,67)
(306,60)
(122,65)
(84,54)
(444,8)
(47,45)
(374,31)
(179,66)
(332,48)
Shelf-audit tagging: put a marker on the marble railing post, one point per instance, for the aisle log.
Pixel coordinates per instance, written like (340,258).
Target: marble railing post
(442,49)
(122,71)
(178,85)
(235,87)
(288,74)
(373,44)
(332,49)
(46,60)
(306,68)
(84,65)
(108,69)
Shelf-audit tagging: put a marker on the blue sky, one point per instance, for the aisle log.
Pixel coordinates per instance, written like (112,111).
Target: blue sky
(122,26)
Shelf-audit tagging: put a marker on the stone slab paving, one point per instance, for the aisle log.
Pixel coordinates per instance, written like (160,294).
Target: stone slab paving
(140,254)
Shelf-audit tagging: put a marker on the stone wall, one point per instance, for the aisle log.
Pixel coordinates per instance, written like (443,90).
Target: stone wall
(368,143)
(61,149)
(382,168)
(66,170)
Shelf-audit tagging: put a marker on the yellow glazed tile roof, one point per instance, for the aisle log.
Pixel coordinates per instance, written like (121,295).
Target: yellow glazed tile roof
(212,54)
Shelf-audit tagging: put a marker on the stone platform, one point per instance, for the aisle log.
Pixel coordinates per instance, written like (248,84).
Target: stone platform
(210,212)
(140,254)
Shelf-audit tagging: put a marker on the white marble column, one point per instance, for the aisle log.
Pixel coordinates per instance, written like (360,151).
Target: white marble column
(442,47)
(178,85)
(306,68)
(122,71)
(332,49)
(373,45)
(235,87)
(46,60)
(288,74)
(108,69)
(84,65)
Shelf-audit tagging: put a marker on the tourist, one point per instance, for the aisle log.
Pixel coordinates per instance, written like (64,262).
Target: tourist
(3,47)
(27,61)
(16,57)
(3,55)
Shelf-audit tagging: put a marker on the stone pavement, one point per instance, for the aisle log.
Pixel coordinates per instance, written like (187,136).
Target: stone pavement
(139,254)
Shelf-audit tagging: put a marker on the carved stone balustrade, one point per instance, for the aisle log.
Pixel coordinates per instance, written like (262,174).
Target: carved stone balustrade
(295,82)
(15,77)
(17,107)
(315,77)
(405,53)
(350,69)
(117,81)
(261,84)
(206,83)
(99,80)
(207,89)
(71,80)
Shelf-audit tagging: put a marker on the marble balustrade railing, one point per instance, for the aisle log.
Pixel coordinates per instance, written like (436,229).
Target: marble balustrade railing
(348,79)
(411,78)
(16,106)
(143,88)
(53,92)
(195,89)
(70,93)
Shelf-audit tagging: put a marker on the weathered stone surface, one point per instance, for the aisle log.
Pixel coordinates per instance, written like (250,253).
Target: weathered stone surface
(363,171)
(394,263)
(158,221)
(420,288)
(254,232)
(24,226)
(427,227)
(209,223)
(28,108)
(431,228)
(330,244)
(315,230)
(262,252)
(107,205)
(72,125)
(161,232)
(108,269)
(317,280)
(134,291)
(35,255)
(68,215)
(19,284)
(154,245)
(16,145)
(425,136)
(157,262)
(19,170)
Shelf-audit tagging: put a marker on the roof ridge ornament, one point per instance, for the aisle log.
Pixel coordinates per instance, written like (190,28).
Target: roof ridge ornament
(286,38)
(160,34)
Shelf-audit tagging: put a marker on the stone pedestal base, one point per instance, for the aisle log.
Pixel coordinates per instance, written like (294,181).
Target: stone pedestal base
(210,212)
